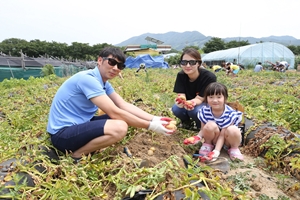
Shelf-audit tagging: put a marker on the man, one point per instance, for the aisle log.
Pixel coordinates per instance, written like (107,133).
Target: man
(72,123)
(258,67)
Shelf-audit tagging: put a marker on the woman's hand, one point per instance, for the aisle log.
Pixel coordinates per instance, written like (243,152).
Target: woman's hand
(190,105)
(180,100)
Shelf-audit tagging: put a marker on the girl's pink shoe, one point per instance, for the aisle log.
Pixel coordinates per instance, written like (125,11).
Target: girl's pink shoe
(205,149)
(235,153)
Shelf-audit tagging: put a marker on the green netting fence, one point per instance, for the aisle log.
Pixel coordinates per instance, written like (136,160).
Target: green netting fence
(20,73)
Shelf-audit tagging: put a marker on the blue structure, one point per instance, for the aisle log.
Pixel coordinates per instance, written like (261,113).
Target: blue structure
(150,62)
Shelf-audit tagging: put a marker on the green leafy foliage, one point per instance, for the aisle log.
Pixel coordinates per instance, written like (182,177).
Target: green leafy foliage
(47,70)
(24,107)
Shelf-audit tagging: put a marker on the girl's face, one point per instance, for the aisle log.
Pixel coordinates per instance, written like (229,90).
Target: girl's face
(189,68)
(216,101)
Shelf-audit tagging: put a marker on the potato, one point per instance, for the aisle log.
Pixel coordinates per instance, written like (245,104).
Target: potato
(150,152)
(171,126)
(191,139)
(152,148)
(182,97)
(173,122)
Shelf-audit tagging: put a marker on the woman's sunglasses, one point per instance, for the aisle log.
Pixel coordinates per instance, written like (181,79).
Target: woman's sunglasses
(112,62)
(191,62)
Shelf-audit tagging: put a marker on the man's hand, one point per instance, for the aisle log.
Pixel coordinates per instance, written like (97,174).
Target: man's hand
(158,127)
(180,100)
(157,118)
(189,105)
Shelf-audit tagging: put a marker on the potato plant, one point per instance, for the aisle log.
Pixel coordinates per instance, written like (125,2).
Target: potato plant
(24,106)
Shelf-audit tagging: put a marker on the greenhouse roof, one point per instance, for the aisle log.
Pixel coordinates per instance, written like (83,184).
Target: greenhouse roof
(251,54)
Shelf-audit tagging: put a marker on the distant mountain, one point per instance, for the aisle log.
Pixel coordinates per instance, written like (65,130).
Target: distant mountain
(194,38)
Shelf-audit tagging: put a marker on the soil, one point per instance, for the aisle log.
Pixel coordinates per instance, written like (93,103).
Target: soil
(261,181)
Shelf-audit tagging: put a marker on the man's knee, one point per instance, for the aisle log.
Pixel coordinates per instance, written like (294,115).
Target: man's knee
(117,129)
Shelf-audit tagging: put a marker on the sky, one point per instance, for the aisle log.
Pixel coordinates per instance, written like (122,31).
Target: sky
(97,21)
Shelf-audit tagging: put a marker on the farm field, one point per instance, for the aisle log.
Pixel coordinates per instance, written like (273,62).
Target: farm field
(270,171)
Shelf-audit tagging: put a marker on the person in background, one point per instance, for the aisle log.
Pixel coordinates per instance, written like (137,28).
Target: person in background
(72,123)
(189,86)
(216,68)
(232,69)
(219,125)
(258,67)
(203,65)
(142,66)
(285,64)
(242,67)
(278,66)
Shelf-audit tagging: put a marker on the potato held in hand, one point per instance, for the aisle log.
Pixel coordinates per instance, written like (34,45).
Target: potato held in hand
(172,125)
(173,122)
(182,97)
(189,105)
(180,101)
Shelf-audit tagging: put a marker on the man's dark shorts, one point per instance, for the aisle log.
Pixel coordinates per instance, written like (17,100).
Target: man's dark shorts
(74,137)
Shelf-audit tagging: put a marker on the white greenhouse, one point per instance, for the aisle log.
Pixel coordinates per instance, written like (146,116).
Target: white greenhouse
(250,55)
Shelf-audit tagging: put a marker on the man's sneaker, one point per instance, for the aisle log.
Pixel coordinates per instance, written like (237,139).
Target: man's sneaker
(76,160)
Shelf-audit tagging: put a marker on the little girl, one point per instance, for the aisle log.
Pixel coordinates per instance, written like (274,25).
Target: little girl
(219,125)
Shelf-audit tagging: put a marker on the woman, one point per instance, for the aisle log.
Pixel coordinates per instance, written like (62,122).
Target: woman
(190,85)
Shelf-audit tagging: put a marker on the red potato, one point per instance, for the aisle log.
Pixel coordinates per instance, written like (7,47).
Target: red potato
(189,105)
(180,100)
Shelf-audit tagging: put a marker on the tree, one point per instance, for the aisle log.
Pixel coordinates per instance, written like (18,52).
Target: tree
(234,44)
(215,44)
(294,49)
(194,47)
(58,50)
(173,60)
(79,50)
(96,50)
(36,48)
(12,46)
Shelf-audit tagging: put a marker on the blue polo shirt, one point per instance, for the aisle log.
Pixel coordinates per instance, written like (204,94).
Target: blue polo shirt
(71,104)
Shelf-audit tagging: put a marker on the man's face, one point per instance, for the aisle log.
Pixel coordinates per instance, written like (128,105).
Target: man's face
(109,67)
